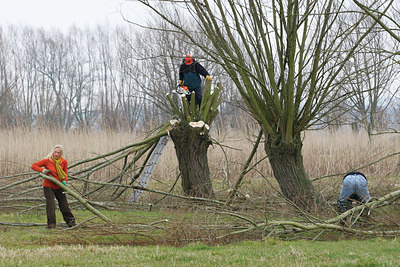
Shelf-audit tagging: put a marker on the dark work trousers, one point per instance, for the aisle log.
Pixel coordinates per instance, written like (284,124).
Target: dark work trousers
(198,94)
(59,194)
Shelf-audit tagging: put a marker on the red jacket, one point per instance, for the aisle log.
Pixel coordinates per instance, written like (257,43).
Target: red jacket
(51,166)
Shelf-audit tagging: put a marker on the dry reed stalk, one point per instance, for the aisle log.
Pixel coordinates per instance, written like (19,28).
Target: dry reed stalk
(324,152)
(21,147)
(327,152)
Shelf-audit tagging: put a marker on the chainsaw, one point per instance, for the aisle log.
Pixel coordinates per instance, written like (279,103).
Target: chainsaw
(182,89)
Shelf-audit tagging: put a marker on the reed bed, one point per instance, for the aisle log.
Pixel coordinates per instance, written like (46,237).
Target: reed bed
(325,153)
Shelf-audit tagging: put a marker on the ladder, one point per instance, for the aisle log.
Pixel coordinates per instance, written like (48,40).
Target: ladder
(148,169)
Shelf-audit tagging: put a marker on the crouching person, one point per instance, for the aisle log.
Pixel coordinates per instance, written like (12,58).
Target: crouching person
(355,188)
(55,165)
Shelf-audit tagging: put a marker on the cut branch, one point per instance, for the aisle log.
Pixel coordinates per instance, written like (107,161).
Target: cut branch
(83,201)
(329,224)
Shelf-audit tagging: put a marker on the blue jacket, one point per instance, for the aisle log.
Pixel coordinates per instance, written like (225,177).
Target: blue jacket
(190,74)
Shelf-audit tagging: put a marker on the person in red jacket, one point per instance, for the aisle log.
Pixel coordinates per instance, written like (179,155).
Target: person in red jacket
(55,165)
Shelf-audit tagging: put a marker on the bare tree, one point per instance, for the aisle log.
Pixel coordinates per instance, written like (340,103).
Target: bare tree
(389,21)
(24,44)
(7,85)
(117,78)
(136,106)
(51,98)
(371,87)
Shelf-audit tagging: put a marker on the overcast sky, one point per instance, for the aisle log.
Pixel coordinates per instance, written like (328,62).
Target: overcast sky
(64,13)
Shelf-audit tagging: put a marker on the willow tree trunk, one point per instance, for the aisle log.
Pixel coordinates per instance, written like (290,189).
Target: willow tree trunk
(287,164)
(191,145)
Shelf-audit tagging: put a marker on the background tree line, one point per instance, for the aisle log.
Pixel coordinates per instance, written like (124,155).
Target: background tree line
(114,78)
(117,78)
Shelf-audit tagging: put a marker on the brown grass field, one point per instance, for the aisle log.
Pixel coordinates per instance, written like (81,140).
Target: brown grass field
(325,153)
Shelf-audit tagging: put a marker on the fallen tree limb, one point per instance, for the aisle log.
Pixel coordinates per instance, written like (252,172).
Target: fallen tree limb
(19,182)
(22,224)
(329,224)
(24,192)
(240,217)
(99,204)
(24,199)
(83,201)
(314,226)
(170,190)
(155,138)
(150,225)
(140,148)
(152,191)
(18,175)
(369,205)
(131,166)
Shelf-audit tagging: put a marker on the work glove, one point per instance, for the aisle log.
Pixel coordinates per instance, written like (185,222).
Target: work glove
(45,171)
(64,183)
(208,78)
(181,82)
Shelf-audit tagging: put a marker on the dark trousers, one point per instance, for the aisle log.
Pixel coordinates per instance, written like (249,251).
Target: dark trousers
(198,95)
(59,194)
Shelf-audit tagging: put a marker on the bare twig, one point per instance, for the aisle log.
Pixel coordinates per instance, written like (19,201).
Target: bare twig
(79,224)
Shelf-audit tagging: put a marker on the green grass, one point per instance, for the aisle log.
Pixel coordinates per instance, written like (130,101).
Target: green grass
(375,252)
(175,242)
(132,227)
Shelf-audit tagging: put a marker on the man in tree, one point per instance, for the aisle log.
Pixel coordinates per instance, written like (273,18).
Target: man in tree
(189,75)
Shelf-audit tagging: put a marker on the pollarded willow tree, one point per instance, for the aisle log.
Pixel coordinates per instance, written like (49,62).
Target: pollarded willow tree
(190,134)
(286,59)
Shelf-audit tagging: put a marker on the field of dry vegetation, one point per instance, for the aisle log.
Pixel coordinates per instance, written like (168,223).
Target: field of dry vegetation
(327,155)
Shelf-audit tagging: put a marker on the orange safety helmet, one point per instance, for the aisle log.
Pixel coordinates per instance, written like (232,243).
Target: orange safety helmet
(188,60)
